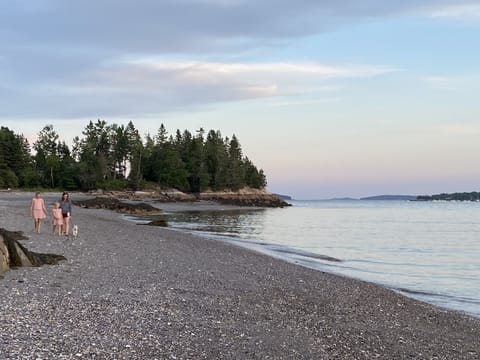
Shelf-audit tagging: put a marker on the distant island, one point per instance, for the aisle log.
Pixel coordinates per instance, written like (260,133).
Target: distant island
(343,199)
(391,197)
(464,196)
(284,197)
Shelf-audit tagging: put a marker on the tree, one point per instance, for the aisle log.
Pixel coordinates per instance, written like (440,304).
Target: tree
(15,157)
(46,158)
(194,159)
(216,159)
(253,177)
(235,170)
(134,155)
(94,153)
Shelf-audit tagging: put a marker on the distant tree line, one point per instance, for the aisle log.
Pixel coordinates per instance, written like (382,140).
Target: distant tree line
(464,196)
(116,157)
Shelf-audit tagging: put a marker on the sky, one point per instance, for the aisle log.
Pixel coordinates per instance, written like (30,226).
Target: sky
(330,98)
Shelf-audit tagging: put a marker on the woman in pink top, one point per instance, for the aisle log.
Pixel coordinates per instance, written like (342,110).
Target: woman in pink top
(38,211)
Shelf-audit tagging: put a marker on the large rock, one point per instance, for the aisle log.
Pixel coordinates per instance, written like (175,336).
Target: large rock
(13,254)
(110,203)
(245,197)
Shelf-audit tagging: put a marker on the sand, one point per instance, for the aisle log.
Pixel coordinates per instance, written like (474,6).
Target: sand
(137,292)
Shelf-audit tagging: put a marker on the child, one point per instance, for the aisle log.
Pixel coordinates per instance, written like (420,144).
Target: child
(38,211)
(57,218)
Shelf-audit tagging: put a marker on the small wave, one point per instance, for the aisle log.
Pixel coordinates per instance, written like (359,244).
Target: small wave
(291,251)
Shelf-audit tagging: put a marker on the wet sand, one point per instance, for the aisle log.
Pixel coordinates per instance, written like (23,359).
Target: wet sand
(139,292)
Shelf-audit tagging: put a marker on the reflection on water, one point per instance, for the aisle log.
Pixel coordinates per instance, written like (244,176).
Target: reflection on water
(231,223)
(430,251)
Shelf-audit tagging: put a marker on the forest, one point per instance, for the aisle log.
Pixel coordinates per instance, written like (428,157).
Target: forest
(116,157)
(463,196)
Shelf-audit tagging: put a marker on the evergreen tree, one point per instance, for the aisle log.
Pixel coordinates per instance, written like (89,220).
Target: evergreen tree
(235,170)
(216,159)
(135,155)
(46,158)
(194,159)
(15,158)
(94,151)
(253,177)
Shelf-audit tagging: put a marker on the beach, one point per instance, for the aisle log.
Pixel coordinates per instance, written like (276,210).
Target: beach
(138,292)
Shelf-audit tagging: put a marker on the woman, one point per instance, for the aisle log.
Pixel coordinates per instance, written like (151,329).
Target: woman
(66,206)
(38,211)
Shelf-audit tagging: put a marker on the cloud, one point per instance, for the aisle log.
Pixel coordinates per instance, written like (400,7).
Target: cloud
(188,26)
(65,58)
(443,82)
(146,87)
(453,83)
(463,129)
(458,12)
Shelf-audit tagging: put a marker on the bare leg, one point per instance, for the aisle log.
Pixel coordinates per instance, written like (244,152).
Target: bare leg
(39,225)
(67,225)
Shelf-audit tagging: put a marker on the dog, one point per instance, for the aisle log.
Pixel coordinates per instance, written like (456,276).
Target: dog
(75,230)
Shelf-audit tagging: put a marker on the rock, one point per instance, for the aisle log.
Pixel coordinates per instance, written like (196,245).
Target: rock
(13,254)
(245,197)
(117,205)
(158,222)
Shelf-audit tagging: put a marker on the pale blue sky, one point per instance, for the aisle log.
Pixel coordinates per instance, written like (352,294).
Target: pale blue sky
(330,98)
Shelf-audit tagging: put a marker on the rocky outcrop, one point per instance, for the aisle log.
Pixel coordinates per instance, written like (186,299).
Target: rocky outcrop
(13,254)
(245,197)
(242,197)
(111,203)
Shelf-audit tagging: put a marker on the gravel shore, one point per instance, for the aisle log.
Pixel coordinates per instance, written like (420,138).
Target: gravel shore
(140,292)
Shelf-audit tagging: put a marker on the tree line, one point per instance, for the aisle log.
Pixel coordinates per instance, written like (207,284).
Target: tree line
(464,196)
(116,157)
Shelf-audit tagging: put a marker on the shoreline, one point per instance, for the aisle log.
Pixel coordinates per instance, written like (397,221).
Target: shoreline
(129,291)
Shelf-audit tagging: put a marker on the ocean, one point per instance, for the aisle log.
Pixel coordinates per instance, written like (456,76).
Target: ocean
(426,250)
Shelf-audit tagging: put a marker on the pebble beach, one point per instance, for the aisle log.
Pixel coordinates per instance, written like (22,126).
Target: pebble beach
(128,291)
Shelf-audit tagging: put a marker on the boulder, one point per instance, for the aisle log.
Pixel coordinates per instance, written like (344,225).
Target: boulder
(13,254)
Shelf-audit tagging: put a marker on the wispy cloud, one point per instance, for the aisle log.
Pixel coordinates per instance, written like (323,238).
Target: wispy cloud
(146,86)
(307,102)
(443,82)
(468,129)
(469,11)
(453,82)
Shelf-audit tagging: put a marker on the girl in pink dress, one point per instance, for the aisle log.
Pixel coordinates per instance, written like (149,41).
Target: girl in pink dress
(57,218)
(38,211)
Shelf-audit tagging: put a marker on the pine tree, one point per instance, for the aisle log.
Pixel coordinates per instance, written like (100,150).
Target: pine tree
(235,170)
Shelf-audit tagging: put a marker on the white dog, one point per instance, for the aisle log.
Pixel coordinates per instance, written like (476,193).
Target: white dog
(75,231)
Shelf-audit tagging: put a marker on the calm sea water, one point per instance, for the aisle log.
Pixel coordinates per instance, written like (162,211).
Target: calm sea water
(427,250)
